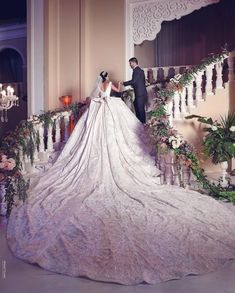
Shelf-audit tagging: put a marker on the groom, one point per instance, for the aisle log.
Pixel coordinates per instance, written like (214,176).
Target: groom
(138,83)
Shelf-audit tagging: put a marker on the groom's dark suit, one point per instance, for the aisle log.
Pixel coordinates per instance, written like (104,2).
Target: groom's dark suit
(138,83)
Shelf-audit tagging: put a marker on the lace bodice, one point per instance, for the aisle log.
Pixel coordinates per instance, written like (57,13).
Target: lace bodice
(106,93)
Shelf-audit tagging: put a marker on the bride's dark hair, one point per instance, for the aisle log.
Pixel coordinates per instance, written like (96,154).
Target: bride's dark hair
(104,75)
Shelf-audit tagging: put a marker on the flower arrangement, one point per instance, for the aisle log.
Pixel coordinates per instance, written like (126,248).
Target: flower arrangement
(25,139)
(12,179)
(167,139)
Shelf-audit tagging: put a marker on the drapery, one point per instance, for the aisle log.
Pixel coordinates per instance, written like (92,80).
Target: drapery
(187,40)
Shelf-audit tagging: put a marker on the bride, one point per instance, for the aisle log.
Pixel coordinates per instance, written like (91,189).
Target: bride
(100,211)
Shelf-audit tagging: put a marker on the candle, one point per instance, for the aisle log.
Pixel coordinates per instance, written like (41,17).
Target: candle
(4,93)
(0,86)
(8,90)
(11,91)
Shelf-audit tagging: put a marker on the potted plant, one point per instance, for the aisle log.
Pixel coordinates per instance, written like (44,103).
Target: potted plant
(219,142)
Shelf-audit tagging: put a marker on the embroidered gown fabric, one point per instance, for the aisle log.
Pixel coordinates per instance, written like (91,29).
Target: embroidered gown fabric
(100,211)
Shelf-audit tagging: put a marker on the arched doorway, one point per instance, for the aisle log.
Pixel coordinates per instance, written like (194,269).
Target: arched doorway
(12,72)
(11,65)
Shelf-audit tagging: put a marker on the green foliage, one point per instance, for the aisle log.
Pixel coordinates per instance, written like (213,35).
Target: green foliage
(46,118)
(219,143)
(159,111)
(188,77)
(15,186)
(76,109)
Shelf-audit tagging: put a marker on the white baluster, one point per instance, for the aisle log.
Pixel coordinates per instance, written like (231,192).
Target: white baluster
(36,154)
(186,173)
(42,153)
(190,97)
(27,164)
(57,130)
(176,105)
(169,111)
(163,73)
(198,80)
(162,167)
(145,72)
(21,156)
(155,70)
(219,79)
(66,124)
(224,167)
(209,73)
(177,70)
(49,139)
(183,102)
(57,133)
(176,172)
(169,168)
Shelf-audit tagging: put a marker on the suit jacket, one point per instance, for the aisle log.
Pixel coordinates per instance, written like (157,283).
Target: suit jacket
(138,82)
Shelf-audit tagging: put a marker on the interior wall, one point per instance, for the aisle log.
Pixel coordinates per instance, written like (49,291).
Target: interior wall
(82,38)
(145,53)
(104,41)
(62,51)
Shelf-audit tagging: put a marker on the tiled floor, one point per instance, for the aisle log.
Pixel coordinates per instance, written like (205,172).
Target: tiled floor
(19,277)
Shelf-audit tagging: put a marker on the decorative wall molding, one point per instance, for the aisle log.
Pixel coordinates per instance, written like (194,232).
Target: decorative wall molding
(148,17)
(143,19)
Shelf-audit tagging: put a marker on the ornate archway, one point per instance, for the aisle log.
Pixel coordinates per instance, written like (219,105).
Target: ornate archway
(144,19)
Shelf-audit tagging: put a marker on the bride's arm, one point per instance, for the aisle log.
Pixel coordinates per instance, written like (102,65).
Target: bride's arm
(116,89)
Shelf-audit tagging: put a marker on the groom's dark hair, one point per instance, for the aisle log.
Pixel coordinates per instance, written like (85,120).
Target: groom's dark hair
(133,59)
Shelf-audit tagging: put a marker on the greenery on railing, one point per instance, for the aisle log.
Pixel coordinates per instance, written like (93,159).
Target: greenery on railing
(24,139)
(167,139)
(180,81)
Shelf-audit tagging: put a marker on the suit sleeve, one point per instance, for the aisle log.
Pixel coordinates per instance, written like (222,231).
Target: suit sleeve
(133,80)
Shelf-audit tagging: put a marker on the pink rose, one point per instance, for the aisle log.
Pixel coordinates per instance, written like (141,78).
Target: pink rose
(4,158)
(9,166)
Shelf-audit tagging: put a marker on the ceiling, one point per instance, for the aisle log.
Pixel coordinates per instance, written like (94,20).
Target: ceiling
(13,11)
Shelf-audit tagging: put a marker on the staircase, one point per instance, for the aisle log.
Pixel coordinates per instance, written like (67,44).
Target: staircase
(210,94)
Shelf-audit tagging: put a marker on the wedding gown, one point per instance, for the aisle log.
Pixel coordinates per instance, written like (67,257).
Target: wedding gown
(100,211)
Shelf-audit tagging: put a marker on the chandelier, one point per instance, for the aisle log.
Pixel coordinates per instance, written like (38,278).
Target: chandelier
(7,101)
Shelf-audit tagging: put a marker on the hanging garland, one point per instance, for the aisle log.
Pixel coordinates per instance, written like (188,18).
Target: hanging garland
(167,138)
(180,81)
(25,139)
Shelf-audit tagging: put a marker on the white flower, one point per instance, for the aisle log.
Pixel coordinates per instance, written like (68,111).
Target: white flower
(175,144)
(214,128)
(12,161)
(232,128)
(4,158)
(2,165)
